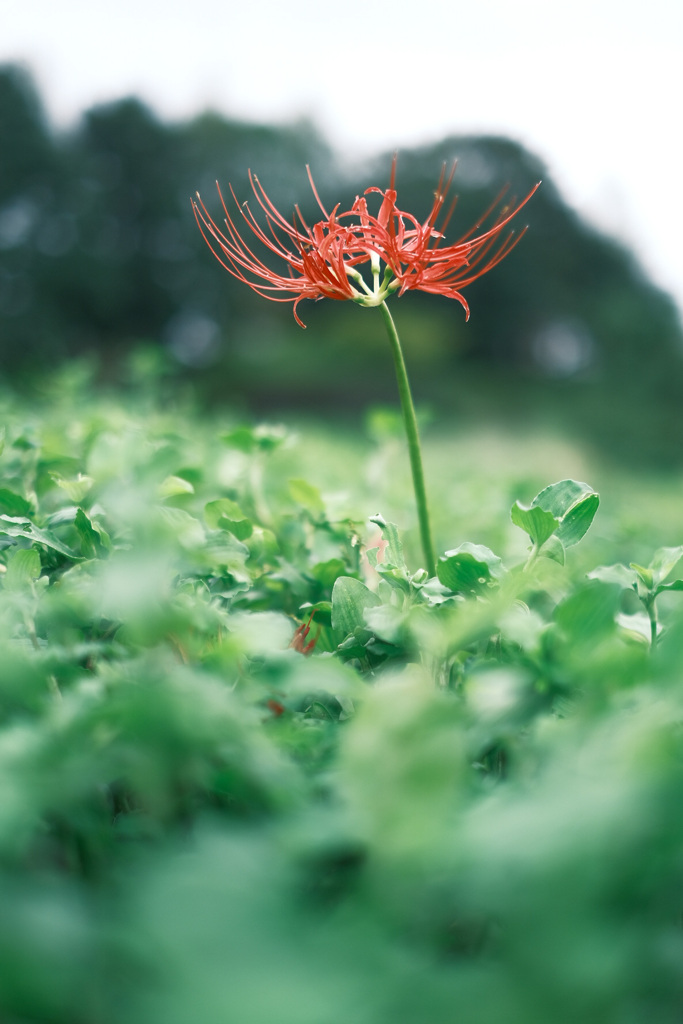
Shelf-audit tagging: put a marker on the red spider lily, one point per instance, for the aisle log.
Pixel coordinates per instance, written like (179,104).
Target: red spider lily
(322,260)
(299,640)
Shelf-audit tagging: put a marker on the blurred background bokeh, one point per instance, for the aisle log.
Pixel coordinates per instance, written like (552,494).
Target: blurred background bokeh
(100,256)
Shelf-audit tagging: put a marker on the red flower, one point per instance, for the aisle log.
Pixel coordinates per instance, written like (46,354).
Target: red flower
(322,261)
(300,642)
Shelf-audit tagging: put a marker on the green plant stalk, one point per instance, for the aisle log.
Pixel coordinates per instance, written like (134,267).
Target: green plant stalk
(533,555)
(652,615)
(413,438)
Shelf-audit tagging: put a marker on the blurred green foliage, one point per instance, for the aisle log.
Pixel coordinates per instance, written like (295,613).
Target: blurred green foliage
(99,252)
(463,804)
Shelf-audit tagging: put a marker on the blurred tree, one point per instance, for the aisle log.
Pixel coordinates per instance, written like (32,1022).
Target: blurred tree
(28,162)
(29,175)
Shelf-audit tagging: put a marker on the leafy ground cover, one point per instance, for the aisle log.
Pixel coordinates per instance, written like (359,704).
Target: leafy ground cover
(255,766)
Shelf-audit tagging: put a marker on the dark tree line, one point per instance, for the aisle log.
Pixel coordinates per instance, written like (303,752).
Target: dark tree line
(99,253)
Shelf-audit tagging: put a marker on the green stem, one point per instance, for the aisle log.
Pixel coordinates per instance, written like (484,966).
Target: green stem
(533,555)
(413,438)
(652,614)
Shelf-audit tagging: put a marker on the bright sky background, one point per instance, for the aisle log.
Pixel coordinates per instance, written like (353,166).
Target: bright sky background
(592,86)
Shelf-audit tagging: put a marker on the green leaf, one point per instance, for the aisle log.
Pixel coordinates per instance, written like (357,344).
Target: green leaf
(12,504)
(187,530)
(565,509)
(396,577)
(625,578)
(387,622)
(645,575)
(589,611)
(225,514)
(327,572)
(574,503)
(50,541)
(676,585)
(394,549)
(307,495)
(241,438)
(263,545)
(17,526)
(537,522)
(322,609)
(559,498)
(265,438)
(77,488)
(664,561)
(350,598)
(172,486)
(95,542)
(469,568)
(23,567)
(553,549)
(577,521)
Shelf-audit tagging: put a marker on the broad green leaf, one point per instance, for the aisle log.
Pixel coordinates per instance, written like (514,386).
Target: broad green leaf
(241,438)
(637,627)
(327,572)
(468,568)
(676,585)
(350,598)
(625,578)
(589,611)
(12,504)
(371,555)
(398,578)
(263,545)
(554,549)
(394,549)
(23,567)
(50,541)
(574,503)
(94,540)
(644,574)
(186,529)
(387,622)
(263,438)
(664,561)
(322,609)
(222,509)
(76,488)
(172,486)
(559,498)
(534,520)
(224,514)
(576,522)
(306,495)
(17,526)
(228,554)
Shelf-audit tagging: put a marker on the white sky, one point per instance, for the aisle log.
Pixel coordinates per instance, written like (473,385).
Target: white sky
(592,86)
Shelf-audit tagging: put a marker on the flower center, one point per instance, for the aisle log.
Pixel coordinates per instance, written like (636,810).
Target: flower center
(381,289)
